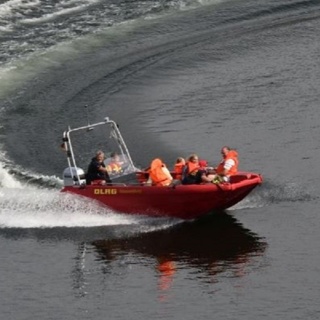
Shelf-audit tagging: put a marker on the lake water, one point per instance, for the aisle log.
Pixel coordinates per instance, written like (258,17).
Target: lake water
(179,77)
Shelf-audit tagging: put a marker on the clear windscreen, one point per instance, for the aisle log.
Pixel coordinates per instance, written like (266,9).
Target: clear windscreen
(86,143)
(118,165)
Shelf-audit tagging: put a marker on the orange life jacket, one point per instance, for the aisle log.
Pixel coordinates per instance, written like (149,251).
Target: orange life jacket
(114,167)
(158,177)
(232,154)
(192,168)
(178,169)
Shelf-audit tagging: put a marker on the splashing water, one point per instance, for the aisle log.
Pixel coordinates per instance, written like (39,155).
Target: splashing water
(31,207)
(34,208)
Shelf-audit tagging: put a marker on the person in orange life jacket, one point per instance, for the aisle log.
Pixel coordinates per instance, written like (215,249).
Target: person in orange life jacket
(115,165)
(189,174)
(159,175)
(97,169)
(228,165)
(178,167)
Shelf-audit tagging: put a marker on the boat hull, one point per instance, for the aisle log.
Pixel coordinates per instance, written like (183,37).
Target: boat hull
(181,201)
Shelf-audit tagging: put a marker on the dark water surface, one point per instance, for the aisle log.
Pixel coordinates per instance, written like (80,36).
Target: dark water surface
(178,77)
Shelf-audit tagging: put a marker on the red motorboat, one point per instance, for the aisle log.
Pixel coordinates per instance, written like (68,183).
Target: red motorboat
(128,192)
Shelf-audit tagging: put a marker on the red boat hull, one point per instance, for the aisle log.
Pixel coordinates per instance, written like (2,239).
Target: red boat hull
(182,201)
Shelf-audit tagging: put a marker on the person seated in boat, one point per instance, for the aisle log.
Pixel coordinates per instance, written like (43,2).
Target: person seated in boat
(228,165)
(197,171)
(159,175)
(204,174)
(97,171)
(189,174)
(115,165)
(178,167)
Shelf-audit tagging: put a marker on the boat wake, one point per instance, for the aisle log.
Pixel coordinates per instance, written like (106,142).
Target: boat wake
(25,203)
(43,208)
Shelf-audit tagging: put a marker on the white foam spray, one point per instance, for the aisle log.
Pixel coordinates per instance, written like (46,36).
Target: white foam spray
(25,206)
(42,208)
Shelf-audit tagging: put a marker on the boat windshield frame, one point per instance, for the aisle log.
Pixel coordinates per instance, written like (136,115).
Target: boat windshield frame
(114,133)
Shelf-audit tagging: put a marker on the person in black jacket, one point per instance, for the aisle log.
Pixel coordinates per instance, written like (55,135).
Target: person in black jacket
(97,169)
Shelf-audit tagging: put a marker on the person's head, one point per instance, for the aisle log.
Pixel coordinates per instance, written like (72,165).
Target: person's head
(224,151)
(115,156)
(203,163)
(180,160)
(100,155)
(193,158)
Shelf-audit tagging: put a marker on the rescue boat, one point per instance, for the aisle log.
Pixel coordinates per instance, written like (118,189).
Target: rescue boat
(128,192)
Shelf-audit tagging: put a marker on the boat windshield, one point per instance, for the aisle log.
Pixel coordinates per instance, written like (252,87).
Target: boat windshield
(118,165)
(84,142)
